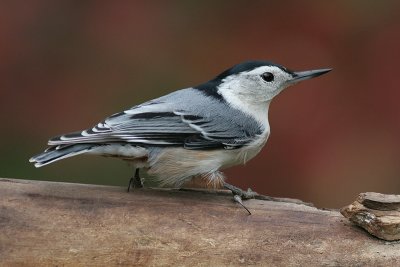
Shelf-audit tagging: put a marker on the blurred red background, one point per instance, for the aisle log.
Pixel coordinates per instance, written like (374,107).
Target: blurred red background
(65,65)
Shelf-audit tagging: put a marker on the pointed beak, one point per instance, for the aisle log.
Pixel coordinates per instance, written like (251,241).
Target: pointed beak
(299,76)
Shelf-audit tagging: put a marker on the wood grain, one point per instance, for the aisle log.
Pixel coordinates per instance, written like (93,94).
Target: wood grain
(62,224)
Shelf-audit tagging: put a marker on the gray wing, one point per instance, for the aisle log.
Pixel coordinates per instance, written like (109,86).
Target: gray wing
(186,118)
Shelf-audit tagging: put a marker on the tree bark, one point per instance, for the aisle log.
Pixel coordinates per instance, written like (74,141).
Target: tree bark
(63,224)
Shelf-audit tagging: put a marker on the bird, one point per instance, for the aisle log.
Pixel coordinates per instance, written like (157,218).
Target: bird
(193,132)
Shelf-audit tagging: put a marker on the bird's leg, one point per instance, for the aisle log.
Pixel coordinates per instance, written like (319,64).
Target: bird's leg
(135,181)
(239,194)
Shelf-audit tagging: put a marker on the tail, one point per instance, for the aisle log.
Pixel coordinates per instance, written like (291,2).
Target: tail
(55,153)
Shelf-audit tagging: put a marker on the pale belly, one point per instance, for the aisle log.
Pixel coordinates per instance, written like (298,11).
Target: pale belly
(174,166)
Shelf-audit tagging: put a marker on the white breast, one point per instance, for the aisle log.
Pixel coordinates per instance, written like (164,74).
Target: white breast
(246,153)
(174,166)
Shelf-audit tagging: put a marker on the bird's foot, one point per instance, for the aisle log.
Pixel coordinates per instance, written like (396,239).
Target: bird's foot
(238,199)
(135,181)
(239,194)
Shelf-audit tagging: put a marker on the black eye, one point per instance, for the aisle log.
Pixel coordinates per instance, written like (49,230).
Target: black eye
(267,76)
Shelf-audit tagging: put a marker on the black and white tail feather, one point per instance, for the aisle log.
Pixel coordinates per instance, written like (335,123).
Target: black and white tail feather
(55,153)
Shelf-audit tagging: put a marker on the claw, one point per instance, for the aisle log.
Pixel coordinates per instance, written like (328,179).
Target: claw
(239,194)
(238,199)
(130,184)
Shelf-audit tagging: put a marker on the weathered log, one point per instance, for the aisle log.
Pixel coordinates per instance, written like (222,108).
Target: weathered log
(62,224)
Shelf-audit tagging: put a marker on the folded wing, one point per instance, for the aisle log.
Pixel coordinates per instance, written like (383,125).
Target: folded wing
(173,120)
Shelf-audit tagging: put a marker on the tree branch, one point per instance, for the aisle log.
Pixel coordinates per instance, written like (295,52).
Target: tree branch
(49,223)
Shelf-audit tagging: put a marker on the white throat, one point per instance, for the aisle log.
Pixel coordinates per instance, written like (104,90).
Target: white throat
(257,109)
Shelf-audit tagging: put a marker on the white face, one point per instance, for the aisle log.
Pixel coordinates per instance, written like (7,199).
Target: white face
(268,80)
(252,91)
(258,85)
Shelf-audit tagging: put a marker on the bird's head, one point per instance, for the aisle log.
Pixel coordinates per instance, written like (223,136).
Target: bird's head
(260,81)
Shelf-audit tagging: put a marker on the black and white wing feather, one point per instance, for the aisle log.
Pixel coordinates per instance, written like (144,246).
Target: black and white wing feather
(186,118)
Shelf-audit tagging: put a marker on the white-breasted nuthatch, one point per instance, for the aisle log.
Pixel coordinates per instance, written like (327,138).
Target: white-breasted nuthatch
(191,132)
